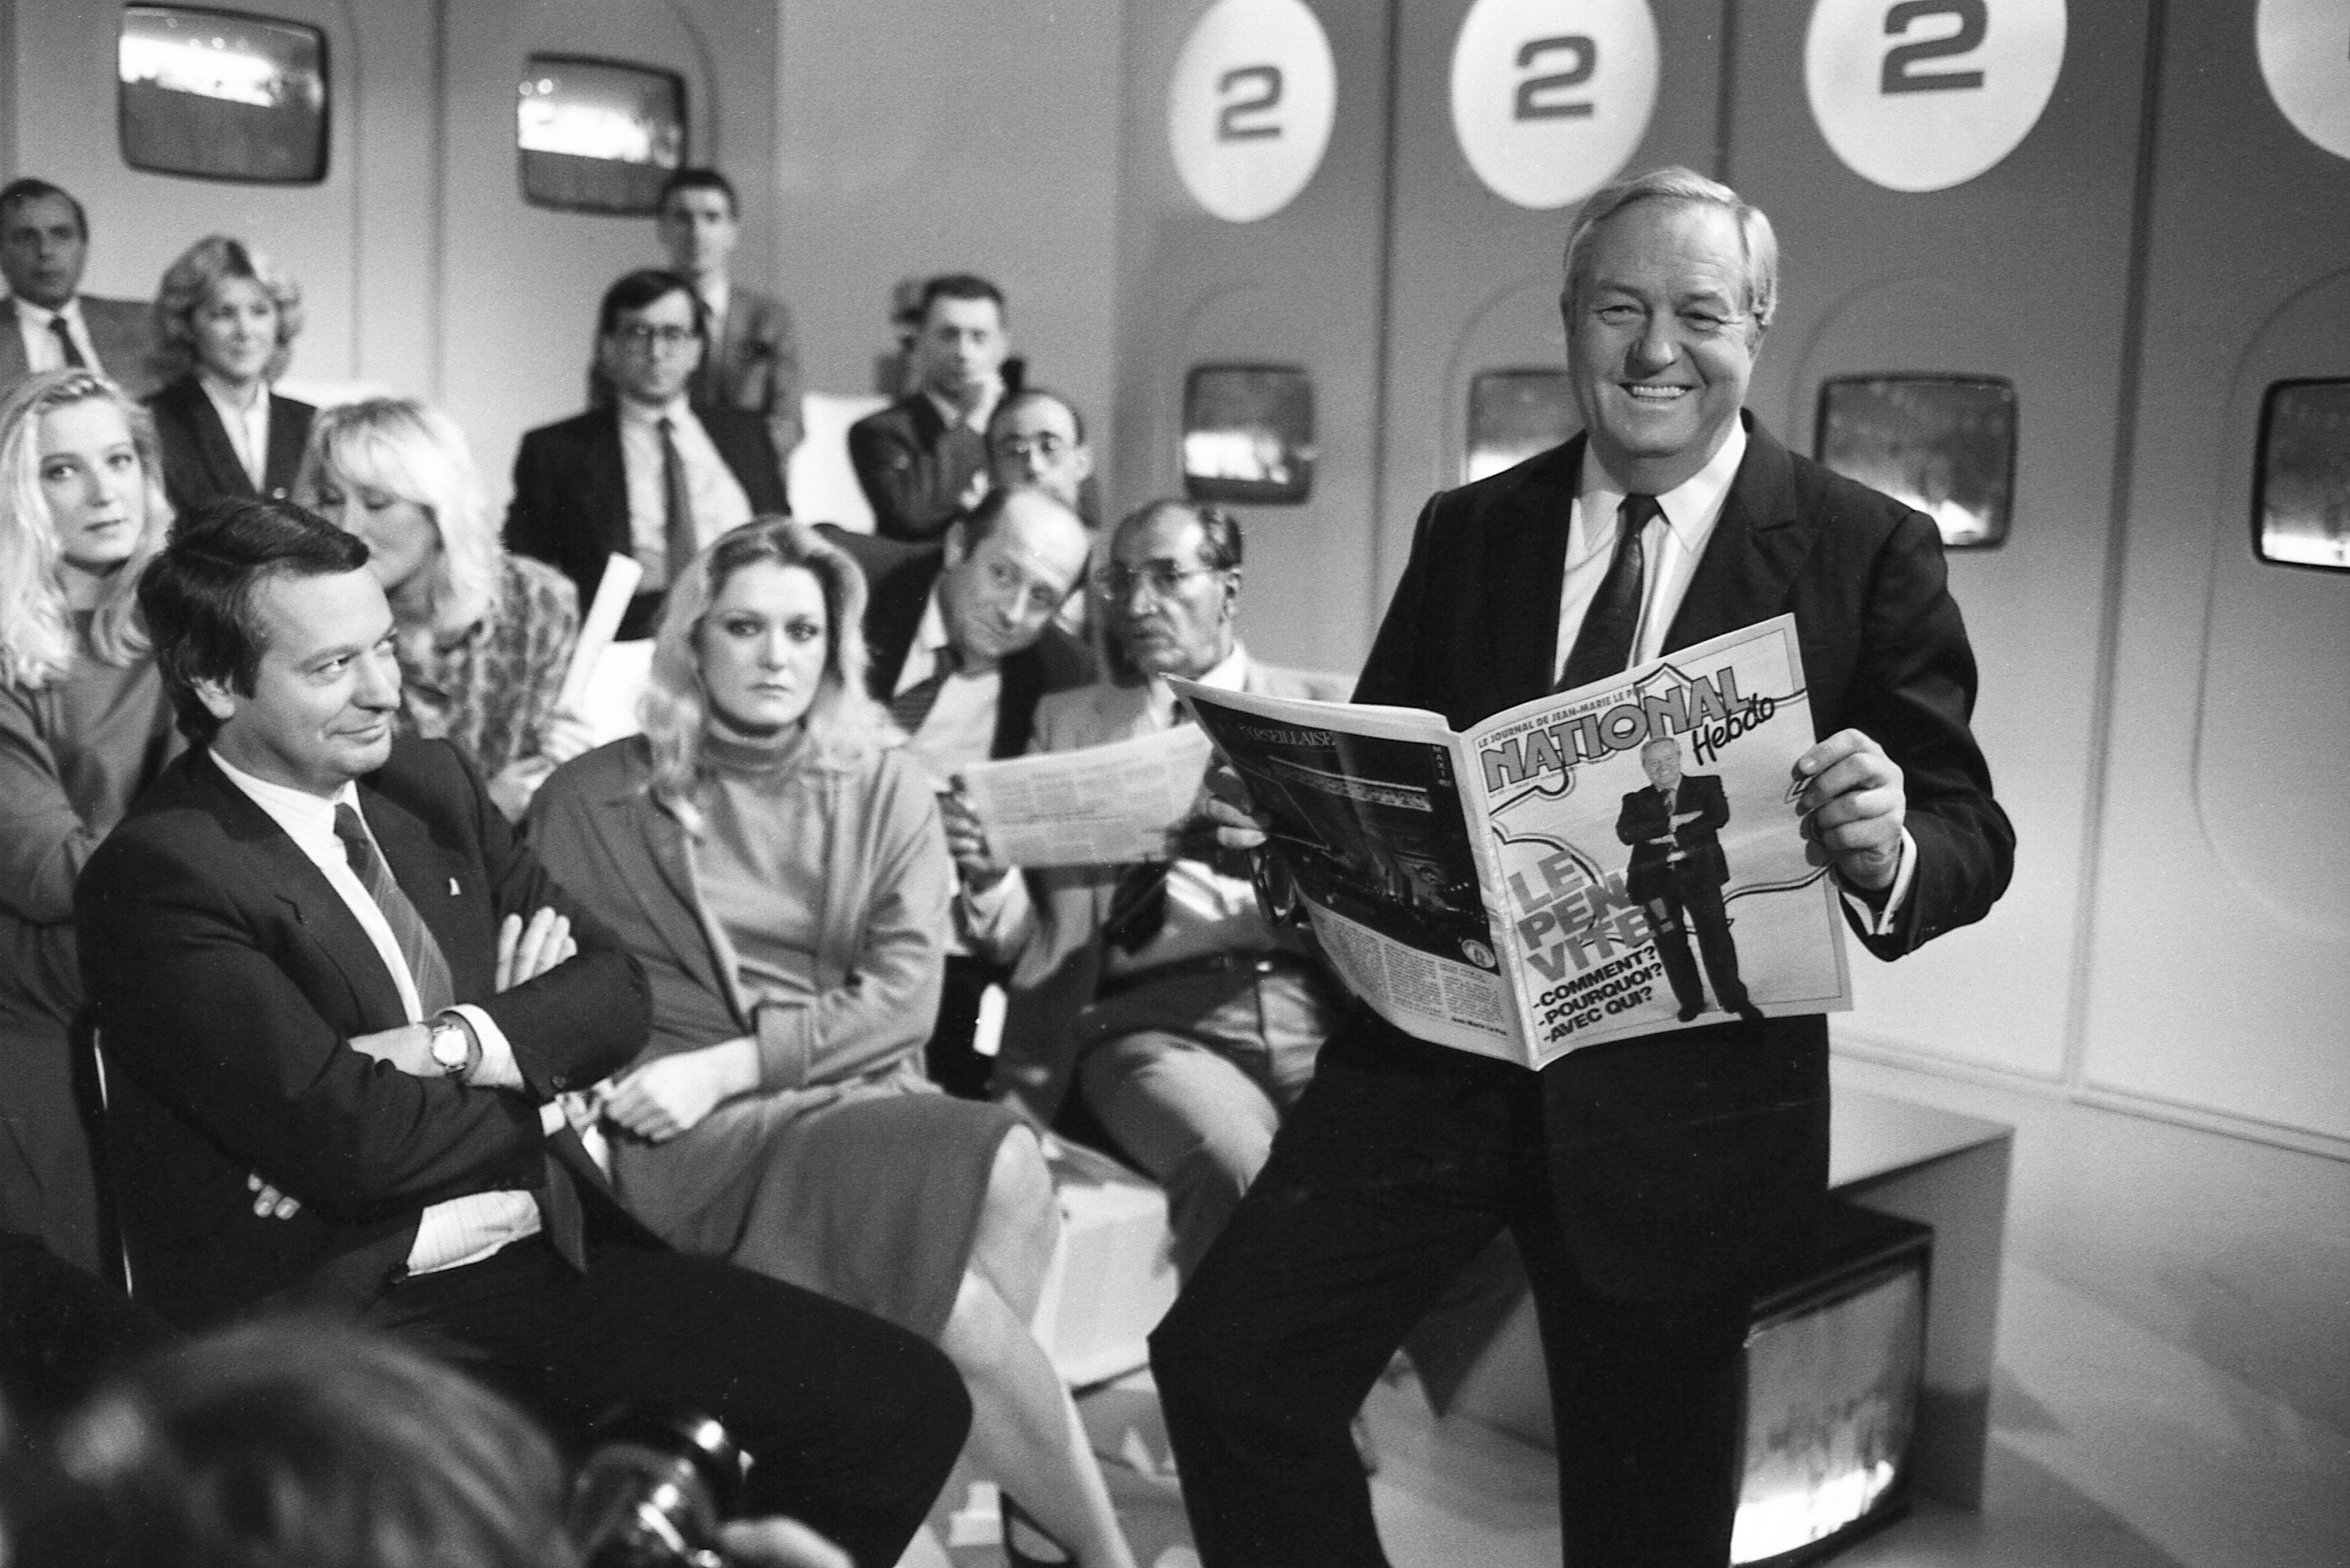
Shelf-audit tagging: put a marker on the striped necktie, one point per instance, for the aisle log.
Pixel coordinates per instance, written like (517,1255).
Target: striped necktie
(681,540)
(426,965)
(1604,645)
(910,707)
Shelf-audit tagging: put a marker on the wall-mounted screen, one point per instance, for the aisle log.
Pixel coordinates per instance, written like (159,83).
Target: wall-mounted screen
(1513,414)
(1944,444)
(2301,512)
(597,136)
(218,95)
(1248,434)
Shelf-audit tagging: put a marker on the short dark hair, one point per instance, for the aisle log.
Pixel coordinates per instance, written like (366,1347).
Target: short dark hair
(959,286)
(1023,396)
(698,177)
(197,595)
(635,290)
(1220,530)
(28,188)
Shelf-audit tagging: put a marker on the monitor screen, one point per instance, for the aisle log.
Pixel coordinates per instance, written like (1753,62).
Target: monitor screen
(218,95)
(598,136)
(1513,414)
(1944,444)
(1248,434)
(2301,512)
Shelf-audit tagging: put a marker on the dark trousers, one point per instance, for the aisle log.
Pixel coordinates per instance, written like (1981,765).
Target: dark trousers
(852,1424)
(1693,902)
(949,1059)
(1401,1162)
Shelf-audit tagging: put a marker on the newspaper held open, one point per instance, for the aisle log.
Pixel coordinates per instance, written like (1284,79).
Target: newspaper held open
(1615,860)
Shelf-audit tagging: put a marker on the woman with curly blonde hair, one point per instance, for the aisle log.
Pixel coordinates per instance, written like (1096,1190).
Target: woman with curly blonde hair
(766,851)
(226,320)
(83,728)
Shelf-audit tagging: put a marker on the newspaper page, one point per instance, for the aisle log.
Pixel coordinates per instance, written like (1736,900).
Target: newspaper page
(1368,818)
(1100,805)
(1611,861)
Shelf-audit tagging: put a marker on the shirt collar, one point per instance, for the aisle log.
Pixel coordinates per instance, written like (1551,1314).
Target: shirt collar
(715,294)
(677,410)
(298,811)
(1230,674)
(1691,507)
(979,416)
(41,315)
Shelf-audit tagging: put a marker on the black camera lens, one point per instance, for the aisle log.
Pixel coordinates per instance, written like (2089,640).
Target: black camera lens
(654,1489)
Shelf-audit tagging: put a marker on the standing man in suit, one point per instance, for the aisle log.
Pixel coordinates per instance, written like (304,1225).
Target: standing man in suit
(325,971)
(1650,1183)
(753,362)
(1189,1024)
(963,647)
(1677,874)
(922,460)
(650,477)
(45,324)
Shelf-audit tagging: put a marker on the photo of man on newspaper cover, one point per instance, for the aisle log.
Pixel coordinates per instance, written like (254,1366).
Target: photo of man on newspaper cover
(1676,874)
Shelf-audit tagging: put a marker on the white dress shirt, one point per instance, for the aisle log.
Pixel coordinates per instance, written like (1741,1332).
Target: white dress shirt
(712,490)
(459,1230)
(1673,546)
(42,351)
(247,424)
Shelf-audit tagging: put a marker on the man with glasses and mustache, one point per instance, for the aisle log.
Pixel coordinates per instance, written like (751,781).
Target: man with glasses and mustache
(649,476)
(1187,1023)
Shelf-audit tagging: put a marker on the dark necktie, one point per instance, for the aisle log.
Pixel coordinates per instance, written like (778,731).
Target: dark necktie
(1604,645)
(74,362)
(910,707)
(426,966)
(680,540)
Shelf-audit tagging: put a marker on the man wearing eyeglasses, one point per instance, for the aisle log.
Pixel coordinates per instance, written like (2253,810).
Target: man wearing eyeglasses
(1037,437)
(649,476)
(1188,1023)
(964,647)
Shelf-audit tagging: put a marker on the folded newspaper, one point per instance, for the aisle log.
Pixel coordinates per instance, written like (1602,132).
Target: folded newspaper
(1610,861)
(1097,805)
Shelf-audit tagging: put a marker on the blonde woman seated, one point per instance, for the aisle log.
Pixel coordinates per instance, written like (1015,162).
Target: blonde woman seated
(782,874)
(484,637)
(83,729)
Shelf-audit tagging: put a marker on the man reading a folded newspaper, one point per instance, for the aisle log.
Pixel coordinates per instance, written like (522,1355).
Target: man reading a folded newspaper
(1653,1182)
(1677,872)
(1157,989)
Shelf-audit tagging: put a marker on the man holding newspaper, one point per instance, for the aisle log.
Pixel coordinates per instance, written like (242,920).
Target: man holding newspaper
(1652,1180)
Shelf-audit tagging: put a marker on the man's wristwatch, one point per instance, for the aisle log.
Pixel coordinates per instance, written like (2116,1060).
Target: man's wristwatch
(452,1045)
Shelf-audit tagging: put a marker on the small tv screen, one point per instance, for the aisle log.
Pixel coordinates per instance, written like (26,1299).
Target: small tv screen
(219,95)
(598,136)
(2301,515)
(1513,414)
(1248,434)
(1944,444)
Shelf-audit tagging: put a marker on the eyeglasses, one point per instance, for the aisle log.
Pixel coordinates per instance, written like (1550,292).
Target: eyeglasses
(1047,445)
(1165,579)
(639,336)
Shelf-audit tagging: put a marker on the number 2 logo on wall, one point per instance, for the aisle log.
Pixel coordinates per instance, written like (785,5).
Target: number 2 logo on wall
(1550,97)
(1922,95)
(1250,107)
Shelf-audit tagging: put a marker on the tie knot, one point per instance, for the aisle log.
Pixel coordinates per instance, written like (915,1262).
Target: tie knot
(1640,510)
(347,825)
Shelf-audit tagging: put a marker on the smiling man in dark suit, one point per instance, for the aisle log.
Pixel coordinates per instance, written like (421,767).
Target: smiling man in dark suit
(323,969)
(1652,1182)
(649,476)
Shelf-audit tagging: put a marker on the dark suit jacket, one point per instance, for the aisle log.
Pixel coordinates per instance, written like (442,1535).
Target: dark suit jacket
(1681,1159)
(199,462)
(754,366)
(898,578)
(1644,818)
(570,506)
(122,330)
(225,976)
(912,472)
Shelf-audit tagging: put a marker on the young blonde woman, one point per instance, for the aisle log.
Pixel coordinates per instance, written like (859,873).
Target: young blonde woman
(780,873)
(83,728)
(484,637)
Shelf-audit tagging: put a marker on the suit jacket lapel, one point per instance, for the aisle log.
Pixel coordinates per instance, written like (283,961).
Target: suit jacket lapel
(221,462)
(289,431)
(648,845)
(603,484)
(1527,548)
(896,616)
(13,366)
(1756,548)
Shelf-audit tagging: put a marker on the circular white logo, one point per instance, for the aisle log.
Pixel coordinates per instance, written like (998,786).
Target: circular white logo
(1922,95)
(1550,97)
(1250,107)
(2304,46)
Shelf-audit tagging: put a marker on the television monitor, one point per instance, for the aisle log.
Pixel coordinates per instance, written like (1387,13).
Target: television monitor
(219,95)
(1248,434)
(598,136)
(1513,414)
(1944,444)
(2301,504)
